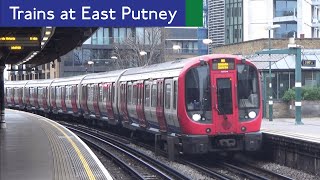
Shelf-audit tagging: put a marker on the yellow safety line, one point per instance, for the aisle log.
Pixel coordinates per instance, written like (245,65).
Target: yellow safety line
(83,160)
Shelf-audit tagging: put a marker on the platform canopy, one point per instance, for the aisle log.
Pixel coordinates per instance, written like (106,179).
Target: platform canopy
(38,46)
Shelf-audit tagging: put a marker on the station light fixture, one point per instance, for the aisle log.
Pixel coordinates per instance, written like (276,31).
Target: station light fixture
(142,53)
(207,41)
(176,47)
(48,32)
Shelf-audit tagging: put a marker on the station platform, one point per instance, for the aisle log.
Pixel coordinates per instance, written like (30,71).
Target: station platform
(35,148)
(309,130)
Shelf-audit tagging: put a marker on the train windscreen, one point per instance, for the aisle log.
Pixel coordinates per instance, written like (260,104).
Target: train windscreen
(248,92)
(198,93)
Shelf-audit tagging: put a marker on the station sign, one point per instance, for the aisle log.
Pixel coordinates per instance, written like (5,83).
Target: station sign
(18,43)
(308,63)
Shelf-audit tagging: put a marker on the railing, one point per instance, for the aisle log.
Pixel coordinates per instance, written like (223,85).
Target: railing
(288,12)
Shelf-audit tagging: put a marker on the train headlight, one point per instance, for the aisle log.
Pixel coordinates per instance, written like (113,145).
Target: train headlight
(252,114)
(196,117)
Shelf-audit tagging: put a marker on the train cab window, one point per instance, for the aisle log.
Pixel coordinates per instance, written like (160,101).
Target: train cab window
(134,94)
(154,95)
(175,88)
(147,95)
(167,96)
(198,93)
(129,94)
(248,90)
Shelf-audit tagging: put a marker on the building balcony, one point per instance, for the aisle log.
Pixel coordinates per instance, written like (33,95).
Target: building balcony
(315,22)
(287,15)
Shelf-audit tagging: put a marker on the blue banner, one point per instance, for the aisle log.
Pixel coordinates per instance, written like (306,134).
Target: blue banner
(92,13)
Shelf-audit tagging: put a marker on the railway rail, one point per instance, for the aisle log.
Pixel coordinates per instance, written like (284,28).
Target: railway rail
(140,166)
(220,169)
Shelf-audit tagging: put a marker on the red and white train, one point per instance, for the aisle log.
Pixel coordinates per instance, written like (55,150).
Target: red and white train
(203,104)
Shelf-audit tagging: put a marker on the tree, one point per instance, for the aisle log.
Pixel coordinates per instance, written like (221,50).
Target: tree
(150,40)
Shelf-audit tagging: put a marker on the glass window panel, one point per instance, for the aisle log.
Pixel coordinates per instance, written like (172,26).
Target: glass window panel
(167,96)
(100,36)
(106,39)
(154,96)
(147,95)
(140,35)
(129,94)
(122,34)
(116,35)
(134,94)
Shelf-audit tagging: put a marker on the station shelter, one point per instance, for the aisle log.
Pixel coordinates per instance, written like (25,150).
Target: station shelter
(283,72)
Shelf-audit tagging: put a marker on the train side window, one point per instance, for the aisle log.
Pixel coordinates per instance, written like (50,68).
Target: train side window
(175,88)
(129,94)
(154,95)
(147,95)
(167,96)
(113,92)
(134,95)
(104,91)
(100,92)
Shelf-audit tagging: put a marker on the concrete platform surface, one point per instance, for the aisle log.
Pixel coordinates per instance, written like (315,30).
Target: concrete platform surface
(35,148)
(310,129)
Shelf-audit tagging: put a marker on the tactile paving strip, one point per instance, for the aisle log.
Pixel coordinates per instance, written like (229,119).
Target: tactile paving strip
(67,163)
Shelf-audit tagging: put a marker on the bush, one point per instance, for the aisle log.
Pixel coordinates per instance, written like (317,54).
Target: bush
(308,93)
(289,95)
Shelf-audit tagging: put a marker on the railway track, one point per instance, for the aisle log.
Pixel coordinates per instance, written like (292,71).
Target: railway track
(215,168)
(135,163)
(233,170)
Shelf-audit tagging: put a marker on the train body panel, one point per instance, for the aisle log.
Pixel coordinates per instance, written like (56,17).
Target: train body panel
(208,103)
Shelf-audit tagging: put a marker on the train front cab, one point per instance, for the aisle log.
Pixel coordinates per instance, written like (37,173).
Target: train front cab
(222,101)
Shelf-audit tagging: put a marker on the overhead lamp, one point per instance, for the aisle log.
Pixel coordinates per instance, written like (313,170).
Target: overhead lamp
(45,38)
(48,33)
(35,53)
(207,41)
(114,57)
(90,62)
(142,53)
(42,43)
(176,47)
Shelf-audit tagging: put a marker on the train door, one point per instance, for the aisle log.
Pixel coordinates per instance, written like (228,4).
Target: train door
(103,98)
(147,102)
(132,98)
(169,112)
(63,98)
(160,109)
(114,96)
(84,97)
(20,97)
(110,101)
(140,105)
(123,102)
(53,98)
(90,94)
(96,100)
(224,102)
(40,96)
(74,98)
(153,108)
(44,98)
(68,97)
(35,97)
